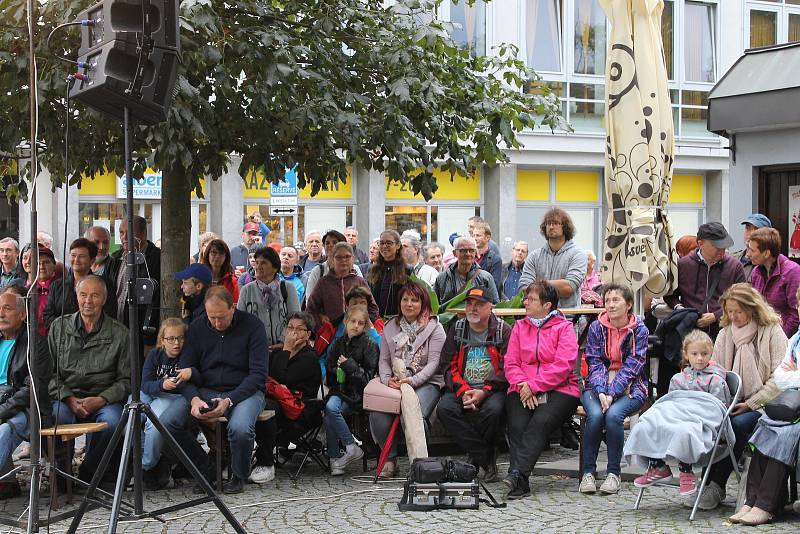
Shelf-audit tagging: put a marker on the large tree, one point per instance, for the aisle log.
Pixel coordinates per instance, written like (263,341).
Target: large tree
(283,83)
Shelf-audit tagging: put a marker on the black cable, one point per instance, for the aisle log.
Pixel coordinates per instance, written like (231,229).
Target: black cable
(59,347)
(62,26)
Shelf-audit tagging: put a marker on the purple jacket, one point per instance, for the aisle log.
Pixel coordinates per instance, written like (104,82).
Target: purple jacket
(634,356)
(695,278)
(780,290)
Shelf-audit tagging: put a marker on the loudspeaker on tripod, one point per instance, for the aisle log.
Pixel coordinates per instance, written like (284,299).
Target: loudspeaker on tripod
(122,66)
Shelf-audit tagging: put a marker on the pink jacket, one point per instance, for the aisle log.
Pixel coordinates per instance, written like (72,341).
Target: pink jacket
(543,357)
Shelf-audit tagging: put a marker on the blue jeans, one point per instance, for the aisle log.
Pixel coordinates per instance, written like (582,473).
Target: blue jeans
(12,433)
(241,431)
(611,422)
(152,442)
(336,429)
(97,442)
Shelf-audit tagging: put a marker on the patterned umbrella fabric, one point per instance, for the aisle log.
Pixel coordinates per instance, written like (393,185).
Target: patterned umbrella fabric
(638,246)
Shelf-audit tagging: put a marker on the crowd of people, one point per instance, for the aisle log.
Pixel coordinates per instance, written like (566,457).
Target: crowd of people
(302,330)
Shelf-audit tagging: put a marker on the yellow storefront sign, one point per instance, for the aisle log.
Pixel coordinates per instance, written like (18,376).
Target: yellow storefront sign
(105,184)
(256,186)
(686,189)
(533,185)
(457,188)
(577,186)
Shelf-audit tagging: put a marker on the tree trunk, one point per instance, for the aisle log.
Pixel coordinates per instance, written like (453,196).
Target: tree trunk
(176,228)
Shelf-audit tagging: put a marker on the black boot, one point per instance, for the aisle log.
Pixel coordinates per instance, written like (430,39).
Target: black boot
(234,485)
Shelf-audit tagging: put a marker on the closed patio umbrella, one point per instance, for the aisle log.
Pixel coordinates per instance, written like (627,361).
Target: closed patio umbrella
(638,249)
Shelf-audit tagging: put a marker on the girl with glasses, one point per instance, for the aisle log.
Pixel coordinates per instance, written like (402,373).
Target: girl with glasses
(160,381)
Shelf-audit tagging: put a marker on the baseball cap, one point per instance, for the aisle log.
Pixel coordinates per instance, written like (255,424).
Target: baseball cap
(196,270)
(477,293)
(44,251)
(453,237)
(716,233)
(758,220)
(250,227)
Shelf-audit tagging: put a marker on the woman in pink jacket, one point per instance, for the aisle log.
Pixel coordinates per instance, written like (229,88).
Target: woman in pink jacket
(543,392)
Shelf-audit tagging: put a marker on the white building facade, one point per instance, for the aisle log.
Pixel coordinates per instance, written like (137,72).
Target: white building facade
(565,42)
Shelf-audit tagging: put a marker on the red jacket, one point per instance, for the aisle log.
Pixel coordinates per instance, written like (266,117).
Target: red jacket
(229,282)
(453,355)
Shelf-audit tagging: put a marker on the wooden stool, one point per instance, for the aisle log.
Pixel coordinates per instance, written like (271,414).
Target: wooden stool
(216,425)
(66,433)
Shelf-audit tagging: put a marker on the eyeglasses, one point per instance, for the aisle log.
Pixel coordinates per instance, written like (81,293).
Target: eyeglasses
(296,328)
(253,232)
(179,339)
(387,243)
(466,250)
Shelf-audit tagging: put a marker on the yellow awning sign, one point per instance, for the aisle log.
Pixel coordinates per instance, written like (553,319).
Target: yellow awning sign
(457,188)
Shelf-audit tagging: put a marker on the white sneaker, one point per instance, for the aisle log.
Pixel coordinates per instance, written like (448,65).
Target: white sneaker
(351,454)
(261,474)
(610,485)
(588,484)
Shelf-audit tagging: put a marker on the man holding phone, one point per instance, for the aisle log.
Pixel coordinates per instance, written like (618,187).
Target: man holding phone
(228,358)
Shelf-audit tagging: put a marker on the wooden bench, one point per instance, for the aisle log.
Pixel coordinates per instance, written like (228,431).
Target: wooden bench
(216,425)
(66,433)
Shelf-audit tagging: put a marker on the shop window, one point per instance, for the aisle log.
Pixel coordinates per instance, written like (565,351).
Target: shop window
(543,39)
(403,218)
(323,218)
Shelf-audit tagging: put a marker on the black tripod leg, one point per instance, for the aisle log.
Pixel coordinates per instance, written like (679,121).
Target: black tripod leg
(101,469)
(130,435)
(189,465)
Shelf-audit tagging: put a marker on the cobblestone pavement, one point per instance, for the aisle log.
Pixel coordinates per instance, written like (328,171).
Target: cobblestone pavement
(318,503)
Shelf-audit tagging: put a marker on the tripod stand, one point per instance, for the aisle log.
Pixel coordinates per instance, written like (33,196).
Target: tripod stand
(131,424)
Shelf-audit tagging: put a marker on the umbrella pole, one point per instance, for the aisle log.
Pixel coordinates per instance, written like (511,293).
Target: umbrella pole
(387,446)
(638,303)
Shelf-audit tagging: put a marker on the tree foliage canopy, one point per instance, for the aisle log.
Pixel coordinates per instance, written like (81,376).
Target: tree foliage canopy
(284,83)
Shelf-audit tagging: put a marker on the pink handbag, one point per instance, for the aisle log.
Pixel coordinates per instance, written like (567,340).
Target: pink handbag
(380,398)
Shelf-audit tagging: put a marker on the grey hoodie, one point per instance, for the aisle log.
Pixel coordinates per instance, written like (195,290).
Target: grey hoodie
(569,264)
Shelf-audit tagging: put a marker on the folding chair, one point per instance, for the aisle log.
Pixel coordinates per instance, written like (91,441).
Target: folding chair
(305,437)
(721,444)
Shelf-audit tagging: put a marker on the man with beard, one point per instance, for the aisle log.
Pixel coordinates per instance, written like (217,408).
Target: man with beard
(560,262)
(472,407)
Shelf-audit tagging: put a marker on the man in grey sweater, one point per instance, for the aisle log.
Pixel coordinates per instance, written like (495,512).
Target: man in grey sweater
(561,262)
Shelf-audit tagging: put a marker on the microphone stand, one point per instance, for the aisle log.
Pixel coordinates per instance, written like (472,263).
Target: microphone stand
(131,421)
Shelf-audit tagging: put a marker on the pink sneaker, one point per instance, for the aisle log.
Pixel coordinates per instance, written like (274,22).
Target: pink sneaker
(653,475)
(688,483)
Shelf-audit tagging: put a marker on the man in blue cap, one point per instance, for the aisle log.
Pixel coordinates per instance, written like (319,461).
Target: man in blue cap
(751,223)
(195,280)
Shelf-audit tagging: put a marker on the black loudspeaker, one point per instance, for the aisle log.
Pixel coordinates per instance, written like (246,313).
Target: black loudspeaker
(122,66)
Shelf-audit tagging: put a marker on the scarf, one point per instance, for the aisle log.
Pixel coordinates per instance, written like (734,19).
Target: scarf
(745,358)
(405,341)
(269,292)
(539,322)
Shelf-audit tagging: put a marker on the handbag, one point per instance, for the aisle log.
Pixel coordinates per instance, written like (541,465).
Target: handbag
(380,398)
(438,470)
(291,402)
(784,407)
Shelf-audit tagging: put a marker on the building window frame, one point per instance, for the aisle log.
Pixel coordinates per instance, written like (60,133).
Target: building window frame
(443,14)
(782,13)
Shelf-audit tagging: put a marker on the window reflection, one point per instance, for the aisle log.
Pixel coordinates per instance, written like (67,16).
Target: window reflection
(590,37)
(699,43)
(469,26)
(763,28)
(543,34)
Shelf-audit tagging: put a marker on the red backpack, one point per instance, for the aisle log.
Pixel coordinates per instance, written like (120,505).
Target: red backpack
(291,402)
